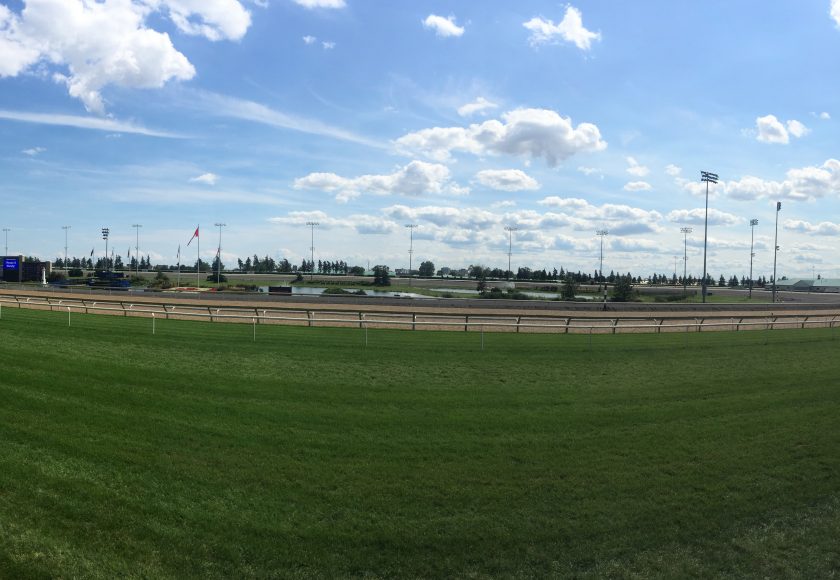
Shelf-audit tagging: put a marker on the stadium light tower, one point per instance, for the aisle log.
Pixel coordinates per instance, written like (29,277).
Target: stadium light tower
(708,178)
(601,234)
(105,233)
(65,228)
(410,248)
(6,234)
(753,223)
(136,247)
(219,253)
(685,231)
(510,230)
(776,249)
(312,226)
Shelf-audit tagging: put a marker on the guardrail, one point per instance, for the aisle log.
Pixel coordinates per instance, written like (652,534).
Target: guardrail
(426,321)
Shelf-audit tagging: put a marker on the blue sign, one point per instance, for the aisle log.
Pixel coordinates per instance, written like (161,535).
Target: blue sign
(10,264)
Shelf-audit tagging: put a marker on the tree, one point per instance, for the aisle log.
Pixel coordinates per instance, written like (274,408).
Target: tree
(381,276)
(623,289)
(722,281)
(427,269)
(570,287)
(357,271)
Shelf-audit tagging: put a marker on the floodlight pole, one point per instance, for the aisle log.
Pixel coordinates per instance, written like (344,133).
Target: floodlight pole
(753,223)
(410,248)
(708,178)
(776,249)
(6,233)
(685,231)
(105,234)
(65,228)
(312,226)
(136,248)
(219,254)
(510,230)
(601,234)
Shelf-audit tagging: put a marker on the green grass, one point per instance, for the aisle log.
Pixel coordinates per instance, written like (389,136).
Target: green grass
(197,452)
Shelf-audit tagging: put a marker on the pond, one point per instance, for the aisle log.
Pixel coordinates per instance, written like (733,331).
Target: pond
(316,291)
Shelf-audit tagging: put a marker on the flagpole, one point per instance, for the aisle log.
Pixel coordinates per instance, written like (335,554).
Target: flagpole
(198,262)
(179,266)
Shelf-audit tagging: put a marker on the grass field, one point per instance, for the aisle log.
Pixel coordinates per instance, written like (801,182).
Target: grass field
(198,452)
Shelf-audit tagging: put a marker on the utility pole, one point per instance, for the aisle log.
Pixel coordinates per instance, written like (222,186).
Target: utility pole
(312,226)
(66,266)
(685,231)
(136,248)
(776,249)
(708,178)
(601,234)
(510,230)
(753,223)
(6,232)
(410,248)
(219,254)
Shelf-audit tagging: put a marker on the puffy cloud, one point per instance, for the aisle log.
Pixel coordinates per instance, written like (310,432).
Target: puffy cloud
(523,132)
(362,223)
(589,170)
(507,179)
(637,186)
(328,45)
(771,130)
(635,169)
(96,44)
(619,219)
(416,178)
(835,11)
(673,170)
(825,116)
(570,29)
(312,4)
(469,218)
(477,106)
(309,39)
(33,151)
(205,178)
(445,27)
(820,229)
(697,216)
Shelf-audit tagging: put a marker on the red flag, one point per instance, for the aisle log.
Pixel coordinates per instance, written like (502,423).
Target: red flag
(194,236)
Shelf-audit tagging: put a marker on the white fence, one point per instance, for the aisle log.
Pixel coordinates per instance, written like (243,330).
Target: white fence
(533,323)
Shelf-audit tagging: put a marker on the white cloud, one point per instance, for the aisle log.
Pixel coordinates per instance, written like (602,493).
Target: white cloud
(524,132)
(312,4)
(835,11)
(618,219)
(33,151)
(503,203)
(95,123)
(362,223)
(328,45)
(309,39)
(507,179)
(820,229)
(797,129)
(91,45)
(771,130)
(416,178)
(825,116)
(589,170)
(444,27)
(570,29)
(206,179)
(697,216)
(673,170)
(478,106)
(636,169)
(637,186)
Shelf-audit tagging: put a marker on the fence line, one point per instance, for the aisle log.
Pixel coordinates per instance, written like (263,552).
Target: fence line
(464,322)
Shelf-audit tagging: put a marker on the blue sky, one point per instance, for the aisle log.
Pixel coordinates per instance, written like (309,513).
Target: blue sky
(461,117)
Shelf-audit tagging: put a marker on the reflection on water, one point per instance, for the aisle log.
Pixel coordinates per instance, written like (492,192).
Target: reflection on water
(316,291)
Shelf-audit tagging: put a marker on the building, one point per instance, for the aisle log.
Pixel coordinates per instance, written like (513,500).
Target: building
(16,269)
(826,285)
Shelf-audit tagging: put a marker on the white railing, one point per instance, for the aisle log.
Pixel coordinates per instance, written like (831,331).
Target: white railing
(427,321)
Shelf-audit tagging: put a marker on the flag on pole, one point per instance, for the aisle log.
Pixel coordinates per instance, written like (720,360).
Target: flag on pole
(91,252)
(194,236)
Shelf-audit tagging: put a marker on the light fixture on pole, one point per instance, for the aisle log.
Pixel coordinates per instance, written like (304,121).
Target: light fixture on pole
(137,247)
(753,223)
(601,234)
(686,230)
(65,228)
(105,233)
(510,230)
(708,178)
(6,233)
(776,249)
(410,248)
(312,226)
(218,263)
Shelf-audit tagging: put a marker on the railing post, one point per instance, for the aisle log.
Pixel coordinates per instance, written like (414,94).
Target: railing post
(310,315)
(466,322)
(518,322)
(413,321)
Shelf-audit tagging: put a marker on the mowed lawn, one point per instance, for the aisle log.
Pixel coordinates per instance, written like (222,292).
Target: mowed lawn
(198,452)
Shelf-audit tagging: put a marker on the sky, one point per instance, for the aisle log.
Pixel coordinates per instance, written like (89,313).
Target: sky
(460,117)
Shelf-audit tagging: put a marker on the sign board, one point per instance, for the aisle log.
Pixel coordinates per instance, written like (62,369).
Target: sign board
(10,264)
